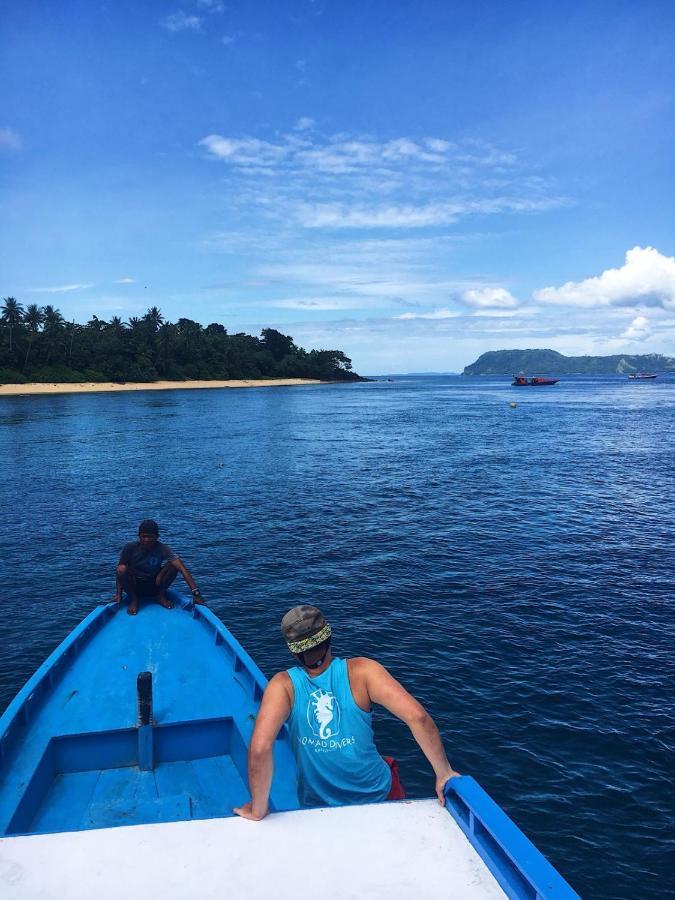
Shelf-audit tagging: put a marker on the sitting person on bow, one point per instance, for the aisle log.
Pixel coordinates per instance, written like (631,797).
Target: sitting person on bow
(147,567)
(326,702)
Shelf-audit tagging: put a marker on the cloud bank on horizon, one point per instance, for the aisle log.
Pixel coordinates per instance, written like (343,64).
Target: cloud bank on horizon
(647,278)
(414,203)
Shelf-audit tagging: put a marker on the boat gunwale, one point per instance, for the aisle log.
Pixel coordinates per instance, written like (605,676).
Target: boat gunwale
(206,615)
(10,720)
(45,679)
(521,870)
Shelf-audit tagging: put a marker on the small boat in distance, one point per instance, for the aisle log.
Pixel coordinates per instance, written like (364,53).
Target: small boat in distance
(642,376)
(532,381)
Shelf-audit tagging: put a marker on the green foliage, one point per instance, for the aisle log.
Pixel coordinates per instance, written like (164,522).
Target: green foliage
(550,362)
(56,375)
(11,376)
(39,345)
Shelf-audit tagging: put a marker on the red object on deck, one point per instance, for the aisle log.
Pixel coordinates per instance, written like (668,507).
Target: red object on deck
(397,791)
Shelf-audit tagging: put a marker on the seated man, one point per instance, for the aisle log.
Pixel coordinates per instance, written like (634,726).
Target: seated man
(147,567)
(327,704)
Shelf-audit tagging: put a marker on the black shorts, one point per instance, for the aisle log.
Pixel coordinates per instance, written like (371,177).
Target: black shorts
(146,587)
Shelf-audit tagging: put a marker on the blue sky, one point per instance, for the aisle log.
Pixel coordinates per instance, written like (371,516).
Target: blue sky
(413,183)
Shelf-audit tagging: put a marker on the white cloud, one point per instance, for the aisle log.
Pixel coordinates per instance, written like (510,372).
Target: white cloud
(246,152)
(496,313)
(380,279)
(435,314)
(228,40)
(125,281)
(9,139)
(338,215)
(211,6)
(62,289)
(333,154)
(340,181)
(180,21)
(438,145)
(638,330)
(647,278)
(320,304)
(489,298)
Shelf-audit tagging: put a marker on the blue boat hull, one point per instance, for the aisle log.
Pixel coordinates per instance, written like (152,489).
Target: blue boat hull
(72,756)
(76,753)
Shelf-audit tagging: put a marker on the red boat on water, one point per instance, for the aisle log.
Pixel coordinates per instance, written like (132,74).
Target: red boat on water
(532,381)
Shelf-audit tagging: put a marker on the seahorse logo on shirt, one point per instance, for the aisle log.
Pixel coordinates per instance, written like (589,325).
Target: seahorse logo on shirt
(323,714)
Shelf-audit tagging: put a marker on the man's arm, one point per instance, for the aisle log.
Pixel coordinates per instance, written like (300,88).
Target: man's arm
(122,561)
(178,563)
(117,598)
(275,708)
(384,689)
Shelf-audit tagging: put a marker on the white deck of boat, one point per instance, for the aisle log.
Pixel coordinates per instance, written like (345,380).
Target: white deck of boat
(389,850)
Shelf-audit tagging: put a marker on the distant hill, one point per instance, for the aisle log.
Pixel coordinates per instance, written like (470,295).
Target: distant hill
(550,362)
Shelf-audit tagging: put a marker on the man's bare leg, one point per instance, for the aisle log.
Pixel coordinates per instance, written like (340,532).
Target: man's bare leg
(126,581)
(164,579)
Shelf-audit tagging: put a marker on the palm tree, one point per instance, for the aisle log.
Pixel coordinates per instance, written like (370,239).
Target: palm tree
(52,317)
(96,324)
(12,315)
(165,342)
(116,324)
(32,318)
(71,328)
(53,325)
(154,319)
(139,336)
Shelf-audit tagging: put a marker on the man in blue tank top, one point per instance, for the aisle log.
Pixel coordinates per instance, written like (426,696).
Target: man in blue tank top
(326,702)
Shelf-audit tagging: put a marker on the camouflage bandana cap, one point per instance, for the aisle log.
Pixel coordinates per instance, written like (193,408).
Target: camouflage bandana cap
(304,627)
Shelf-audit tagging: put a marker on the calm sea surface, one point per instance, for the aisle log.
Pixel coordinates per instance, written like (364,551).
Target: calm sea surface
(512,567)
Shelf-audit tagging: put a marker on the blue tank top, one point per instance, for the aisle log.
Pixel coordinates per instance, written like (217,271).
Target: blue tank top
(332,739)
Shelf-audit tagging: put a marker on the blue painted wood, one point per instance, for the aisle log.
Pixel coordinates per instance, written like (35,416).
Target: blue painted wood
(521,870)
(146,756)
(72,756)
(78,715)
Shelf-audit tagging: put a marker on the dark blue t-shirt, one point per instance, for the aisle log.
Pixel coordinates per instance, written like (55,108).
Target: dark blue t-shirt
(145,562)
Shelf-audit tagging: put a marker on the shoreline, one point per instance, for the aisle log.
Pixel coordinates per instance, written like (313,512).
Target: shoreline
(93,387)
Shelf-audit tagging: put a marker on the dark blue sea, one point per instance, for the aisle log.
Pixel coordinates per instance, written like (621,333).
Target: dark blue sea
(513,567)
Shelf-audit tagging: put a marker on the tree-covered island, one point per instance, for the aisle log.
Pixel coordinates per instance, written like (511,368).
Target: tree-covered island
(38,345)
(550,362)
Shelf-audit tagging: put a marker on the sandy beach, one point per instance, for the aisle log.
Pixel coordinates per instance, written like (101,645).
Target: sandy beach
(91,387)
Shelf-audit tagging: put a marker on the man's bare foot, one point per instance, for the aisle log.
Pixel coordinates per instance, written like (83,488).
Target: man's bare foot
(165,602)
(132,608)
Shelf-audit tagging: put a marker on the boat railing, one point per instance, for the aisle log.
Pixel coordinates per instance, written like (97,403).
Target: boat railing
(139,745)
(246,671)
(522,871)
(251,679)
(30,698)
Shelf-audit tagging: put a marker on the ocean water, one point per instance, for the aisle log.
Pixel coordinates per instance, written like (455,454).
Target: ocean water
(512,567)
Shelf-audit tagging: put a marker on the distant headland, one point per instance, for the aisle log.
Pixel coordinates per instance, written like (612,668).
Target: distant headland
(550,362)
